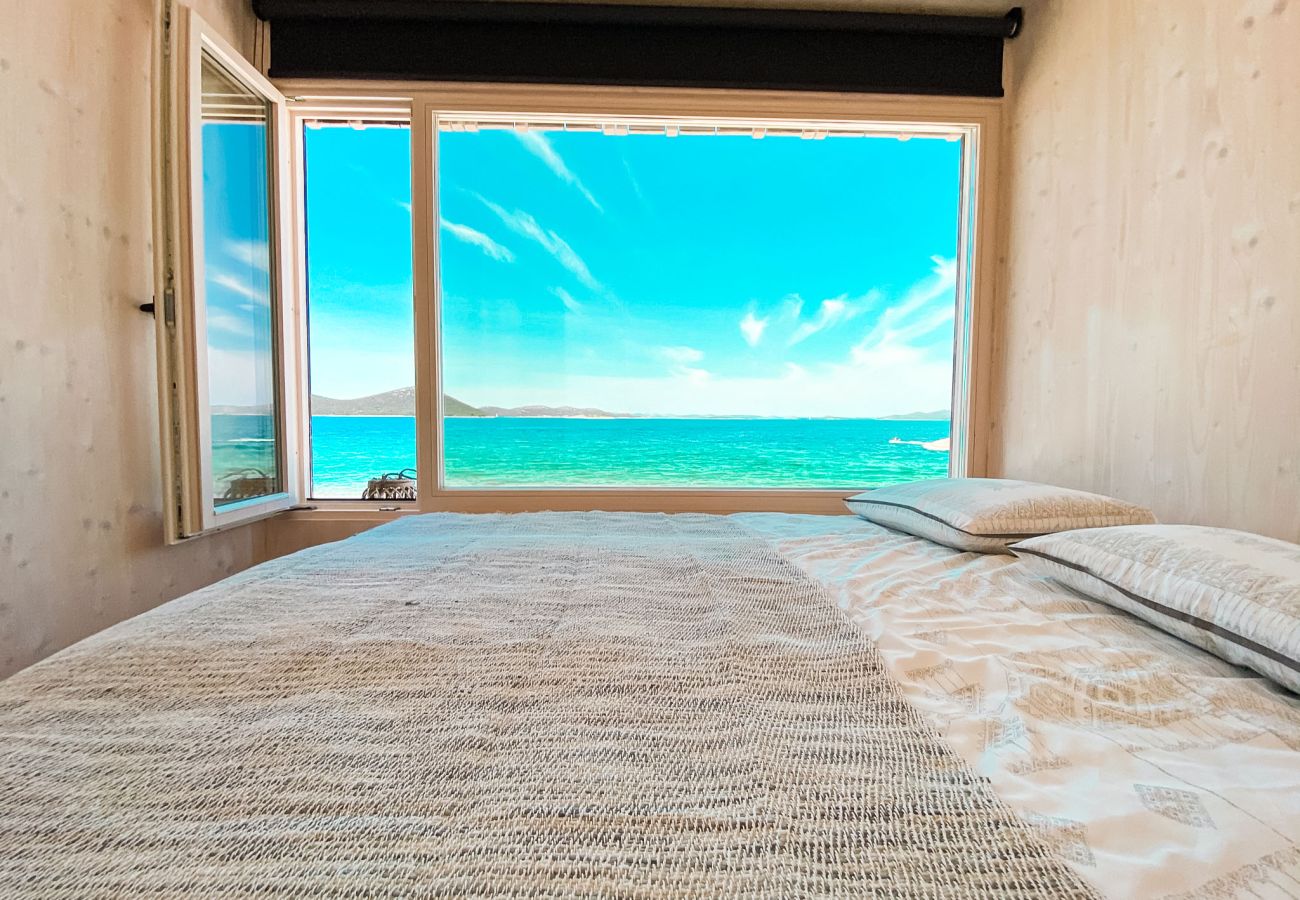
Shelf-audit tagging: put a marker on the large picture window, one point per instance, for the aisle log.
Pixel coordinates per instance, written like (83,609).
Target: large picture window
(530,310)
(696,307)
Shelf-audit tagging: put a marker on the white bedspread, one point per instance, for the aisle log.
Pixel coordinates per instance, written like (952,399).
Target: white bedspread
(1153,768)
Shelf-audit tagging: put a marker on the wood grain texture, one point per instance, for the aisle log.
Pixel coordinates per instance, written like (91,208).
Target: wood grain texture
(81,543)
(1149,339)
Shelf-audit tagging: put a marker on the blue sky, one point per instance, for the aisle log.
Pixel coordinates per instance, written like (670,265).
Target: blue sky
(643,273)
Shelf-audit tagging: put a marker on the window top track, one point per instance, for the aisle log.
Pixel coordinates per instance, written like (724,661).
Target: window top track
(618,126)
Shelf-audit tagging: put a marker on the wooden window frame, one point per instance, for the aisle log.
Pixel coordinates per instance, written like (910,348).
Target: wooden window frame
(978,122)
(180,301)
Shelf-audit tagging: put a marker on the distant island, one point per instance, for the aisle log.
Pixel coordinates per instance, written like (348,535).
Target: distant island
(401,402)
(939,415)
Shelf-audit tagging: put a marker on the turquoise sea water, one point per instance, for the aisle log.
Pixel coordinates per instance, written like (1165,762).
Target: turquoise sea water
(515,452)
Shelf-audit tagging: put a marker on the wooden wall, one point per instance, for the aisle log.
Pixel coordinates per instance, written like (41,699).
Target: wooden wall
(80,494)
(1149,342)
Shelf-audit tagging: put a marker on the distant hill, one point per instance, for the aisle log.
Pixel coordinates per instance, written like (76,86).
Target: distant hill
(937,415)
(553,412)
(400,402)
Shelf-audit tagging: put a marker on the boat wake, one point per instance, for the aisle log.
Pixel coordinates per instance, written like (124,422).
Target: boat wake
(940,446)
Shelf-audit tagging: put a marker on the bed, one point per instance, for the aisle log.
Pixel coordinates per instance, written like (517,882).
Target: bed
(588,704)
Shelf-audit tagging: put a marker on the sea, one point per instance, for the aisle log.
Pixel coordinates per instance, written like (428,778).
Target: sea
(499,452)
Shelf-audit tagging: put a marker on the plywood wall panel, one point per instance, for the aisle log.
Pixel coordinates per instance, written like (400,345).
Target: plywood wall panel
(80,491)
(1149,337)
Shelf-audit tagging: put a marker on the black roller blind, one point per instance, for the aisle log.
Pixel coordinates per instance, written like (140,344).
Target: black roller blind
(605,44)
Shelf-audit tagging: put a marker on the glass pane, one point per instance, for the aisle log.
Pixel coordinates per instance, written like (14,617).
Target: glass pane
(360,311)
(683,310)
(238,290)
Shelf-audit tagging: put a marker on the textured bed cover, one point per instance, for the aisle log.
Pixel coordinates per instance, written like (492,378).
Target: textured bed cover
(645,705)
(560,704)
(1154,768)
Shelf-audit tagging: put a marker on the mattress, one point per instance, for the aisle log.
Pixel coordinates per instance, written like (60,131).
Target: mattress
(597,704)
(1153,768)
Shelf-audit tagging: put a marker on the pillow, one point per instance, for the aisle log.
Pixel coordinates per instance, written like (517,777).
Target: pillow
(989,514)
(1234,594)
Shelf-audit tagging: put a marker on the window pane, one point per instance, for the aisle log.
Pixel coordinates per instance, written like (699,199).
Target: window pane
(360,328)
(239,313)
(696,311)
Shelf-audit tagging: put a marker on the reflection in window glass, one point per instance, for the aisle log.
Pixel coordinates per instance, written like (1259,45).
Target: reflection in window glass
(688,310)
(360,326)
(238,292)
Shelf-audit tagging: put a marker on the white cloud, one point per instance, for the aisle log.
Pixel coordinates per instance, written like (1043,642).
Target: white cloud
(899,323)
(566,298)
(830,313)
(256,254)
(540,147)
(681,364)
(478,239)
(886,377)
(752,328)
(239,286)
(681,355)
(524,224)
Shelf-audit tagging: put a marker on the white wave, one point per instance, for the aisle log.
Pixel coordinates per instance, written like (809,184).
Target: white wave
(943,445)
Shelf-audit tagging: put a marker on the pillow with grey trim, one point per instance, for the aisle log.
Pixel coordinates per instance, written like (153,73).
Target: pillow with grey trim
(1232,593)
(987,515)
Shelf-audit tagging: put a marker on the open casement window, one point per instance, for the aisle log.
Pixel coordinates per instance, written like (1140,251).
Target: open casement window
(230,448)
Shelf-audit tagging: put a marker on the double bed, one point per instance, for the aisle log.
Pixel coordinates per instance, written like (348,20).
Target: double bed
(610,704)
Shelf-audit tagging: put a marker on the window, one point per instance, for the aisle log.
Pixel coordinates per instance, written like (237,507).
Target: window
(610,306)
(239,323)
(225,403)
(654,305)
(361,337)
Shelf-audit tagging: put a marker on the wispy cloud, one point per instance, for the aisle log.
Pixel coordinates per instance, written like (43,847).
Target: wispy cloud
(478,239)
(681,363)
(911,318)
(249,253)
(524,224)
(540,147)
(752,328)
(830,313)
(237,285)
(636,185)
(681,355)
(566,298)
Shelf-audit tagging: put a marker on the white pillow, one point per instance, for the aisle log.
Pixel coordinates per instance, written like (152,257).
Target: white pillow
(1234,594)
(989,514)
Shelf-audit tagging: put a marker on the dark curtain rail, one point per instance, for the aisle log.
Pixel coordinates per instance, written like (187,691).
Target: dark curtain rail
(608,44)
